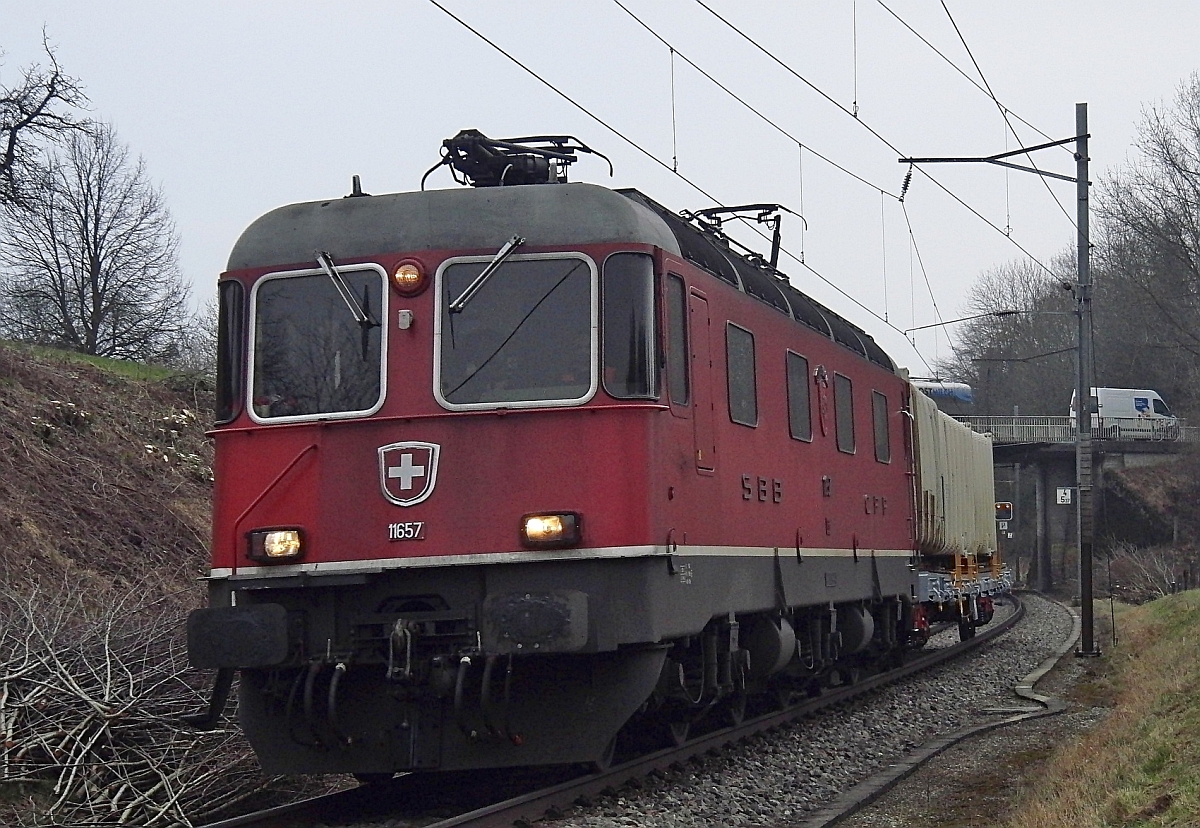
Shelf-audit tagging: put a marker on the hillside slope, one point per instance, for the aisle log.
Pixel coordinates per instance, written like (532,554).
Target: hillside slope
(105,497)
(1149,529)
(104,478)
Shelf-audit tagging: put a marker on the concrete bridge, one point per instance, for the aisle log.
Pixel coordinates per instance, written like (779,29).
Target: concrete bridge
(1034,459)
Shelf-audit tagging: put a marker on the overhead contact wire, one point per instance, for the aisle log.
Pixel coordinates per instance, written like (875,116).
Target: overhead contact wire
(1004,115)
(800,164)
(929,287)
(883,243)
(854,41)
(873,132)
(674,134)
(745,103)
(958,69)
(633,144)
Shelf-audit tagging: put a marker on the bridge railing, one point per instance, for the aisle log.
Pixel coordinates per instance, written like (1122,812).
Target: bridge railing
(1062,429)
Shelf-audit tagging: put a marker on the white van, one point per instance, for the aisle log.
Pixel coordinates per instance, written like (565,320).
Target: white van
(1130,414)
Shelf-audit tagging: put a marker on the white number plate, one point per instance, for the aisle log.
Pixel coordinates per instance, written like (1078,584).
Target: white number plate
(414,530)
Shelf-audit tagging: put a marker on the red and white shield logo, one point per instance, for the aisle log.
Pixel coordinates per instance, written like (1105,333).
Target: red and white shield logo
(408,471)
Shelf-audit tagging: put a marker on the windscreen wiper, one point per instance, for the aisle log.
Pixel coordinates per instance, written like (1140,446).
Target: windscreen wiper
(503,253)
(362,316)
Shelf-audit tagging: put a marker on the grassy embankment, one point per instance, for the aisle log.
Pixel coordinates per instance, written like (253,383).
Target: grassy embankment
(120,367)
(1141,765)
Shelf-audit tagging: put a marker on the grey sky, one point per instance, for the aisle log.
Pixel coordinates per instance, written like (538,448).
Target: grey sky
(239,107)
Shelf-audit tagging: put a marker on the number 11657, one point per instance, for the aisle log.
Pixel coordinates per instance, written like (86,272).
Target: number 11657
(414,530)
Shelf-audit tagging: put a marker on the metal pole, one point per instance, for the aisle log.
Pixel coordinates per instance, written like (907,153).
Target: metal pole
(1083,387)
(1041,492)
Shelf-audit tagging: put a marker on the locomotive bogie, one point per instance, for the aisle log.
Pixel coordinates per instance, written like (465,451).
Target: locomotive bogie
(417,716)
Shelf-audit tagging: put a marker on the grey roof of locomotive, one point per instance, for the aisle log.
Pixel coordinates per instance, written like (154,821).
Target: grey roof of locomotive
(548,215)
(461,219)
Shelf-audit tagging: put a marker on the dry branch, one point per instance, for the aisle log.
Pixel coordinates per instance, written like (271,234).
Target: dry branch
(90,700)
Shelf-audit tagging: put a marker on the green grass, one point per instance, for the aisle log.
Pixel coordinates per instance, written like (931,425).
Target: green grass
(1141,765)
(121,367)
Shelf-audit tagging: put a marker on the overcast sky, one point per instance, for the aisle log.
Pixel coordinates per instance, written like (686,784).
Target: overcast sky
(239,107)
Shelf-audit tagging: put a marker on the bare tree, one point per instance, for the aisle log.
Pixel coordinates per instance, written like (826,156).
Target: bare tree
(89,258)
(1143,573)
(1150,247)
(36,110)
(195,348)
(1023,359)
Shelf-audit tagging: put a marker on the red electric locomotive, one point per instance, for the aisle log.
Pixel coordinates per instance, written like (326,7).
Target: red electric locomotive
(504,469)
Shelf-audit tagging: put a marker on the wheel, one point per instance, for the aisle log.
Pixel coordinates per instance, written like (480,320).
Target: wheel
(374,778)
(966,630)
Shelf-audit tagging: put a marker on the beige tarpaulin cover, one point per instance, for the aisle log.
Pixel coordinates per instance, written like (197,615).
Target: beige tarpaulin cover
(956,489)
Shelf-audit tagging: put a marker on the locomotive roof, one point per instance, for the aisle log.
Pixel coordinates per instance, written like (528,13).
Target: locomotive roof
(459,219)
(759,280)
(548,215)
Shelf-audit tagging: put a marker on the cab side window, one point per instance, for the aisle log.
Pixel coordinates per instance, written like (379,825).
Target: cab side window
(627,303)
(739,362)
(231,344)
(677,341)
(843,404)
(879,413)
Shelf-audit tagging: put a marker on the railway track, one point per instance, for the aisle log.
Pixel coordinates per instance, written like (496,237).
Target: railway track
(498,800)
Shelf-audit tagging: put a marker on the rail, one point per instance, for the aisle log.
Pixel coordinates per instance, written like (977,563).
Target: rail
(1062,429)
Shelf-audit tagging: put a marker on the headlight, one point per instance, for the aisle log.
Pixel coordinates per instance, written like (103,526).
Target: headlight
(409,277)
(556,529)
(276,544)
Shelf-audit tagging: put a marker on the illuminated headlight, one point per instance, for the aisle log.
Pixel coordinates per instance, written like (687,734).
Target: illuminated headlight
(276,545)
(409,277)
(556,529)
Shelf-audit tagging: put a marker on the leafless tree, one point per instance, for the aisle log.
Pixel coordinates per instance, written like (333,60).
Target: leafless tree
(89,257)
(1146,270)
(1149,245)
(1022,359)
(195,348)
(1143,573)
(38,109)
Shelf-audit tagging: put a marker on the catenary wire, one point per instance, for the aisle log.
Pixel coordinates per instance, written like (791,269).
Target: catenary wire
(800,166)
(883,244)
(1004,115)
(674,132)
(929,287)
(875,133)
(959,69)
(661,163)
(746,104)
(854,41)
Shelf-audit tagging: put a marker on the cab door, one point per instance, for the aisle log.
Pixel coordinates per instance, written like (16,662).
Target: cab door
(702,398)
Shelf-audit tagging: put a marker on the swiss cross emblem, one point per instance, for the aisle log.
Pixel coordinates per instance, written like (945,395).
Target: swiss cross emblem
(408,471)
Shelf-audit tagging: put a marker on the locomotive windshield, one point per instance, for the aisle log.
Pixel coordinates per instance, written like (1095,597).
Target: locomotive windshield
(311,355)
(526,337)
